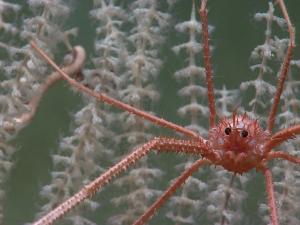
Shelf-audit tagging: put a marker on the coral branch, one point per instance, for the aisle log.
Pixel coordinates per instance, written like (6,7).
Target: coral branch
(223,220)
(73,68)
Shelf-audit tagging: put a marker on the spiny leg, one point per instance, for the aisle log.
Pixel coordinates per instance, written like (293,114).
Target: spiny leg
(104,98)
(283,155)
(170,191)
(207,63)
(271,196)
(159,144)
(282,136)
(284,68)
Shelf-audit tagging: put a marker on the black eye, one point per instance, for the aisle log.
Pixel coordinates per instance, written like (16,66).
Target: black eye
(227,130)
(244,133)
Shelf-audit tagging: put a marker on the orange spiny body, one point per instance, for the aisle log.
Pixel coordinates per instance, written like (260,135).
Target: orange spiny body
(239,141)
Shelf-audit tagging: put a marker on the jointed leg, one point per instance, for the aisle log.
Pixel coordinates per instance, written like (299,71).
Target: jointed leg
(170,191)
(284,68)
(282,136)
(159,144)
(207,63)
(283,155)
(271,196)
(114,102)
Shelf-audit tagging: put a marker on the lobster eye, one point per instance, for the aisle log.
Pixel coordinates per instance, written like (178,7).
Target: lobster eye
(244,133)
(227,130)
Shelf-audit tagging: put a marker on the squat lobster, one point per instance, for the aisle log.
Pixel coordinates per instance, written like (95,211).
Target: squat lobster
(237,143)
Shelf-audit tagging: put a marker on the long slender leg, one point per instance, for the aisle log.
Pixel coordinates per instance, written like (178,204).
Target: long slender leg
(159,144)
(271,196)
(284,68)
(104,98)
(283,155)
(170,191)
(207,63)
